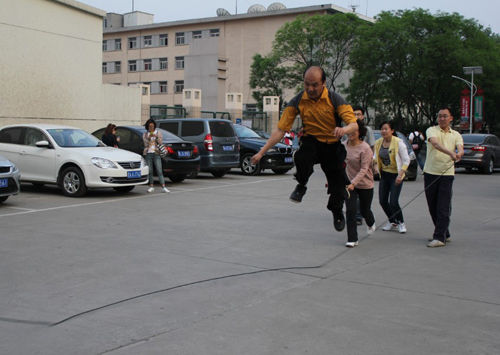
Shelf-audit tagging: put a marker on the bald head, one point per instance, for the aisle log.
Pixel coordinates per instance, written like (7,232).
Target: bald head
(314,82)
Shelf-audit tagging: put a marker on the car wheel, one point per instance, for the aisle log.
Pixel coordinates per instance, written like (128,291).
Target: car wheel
(280,171)
(247,168)
(488,169)
(124,188)
(3,198)
(73,182)
(219,173)
(177,178)
(192,175)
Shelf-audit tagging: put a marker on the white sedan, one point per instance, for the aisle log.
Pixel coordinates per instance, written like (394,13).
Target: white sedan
(71,158)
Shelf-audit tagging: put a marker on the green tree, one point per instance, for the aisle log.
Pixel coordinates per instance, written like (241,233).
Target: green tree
(403,64)
(323,40)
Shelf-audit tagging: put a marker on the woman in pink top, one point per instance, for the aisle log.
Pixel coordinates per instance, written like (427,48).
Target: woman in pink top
(359,169)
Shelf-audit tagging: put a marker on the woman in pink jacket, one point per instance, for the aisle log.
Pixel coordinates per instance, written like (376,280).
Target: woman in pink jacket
(359,169)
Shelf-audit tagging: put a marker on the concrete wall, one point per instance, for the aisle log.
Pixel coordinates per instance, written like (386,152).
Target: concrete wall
(50,66)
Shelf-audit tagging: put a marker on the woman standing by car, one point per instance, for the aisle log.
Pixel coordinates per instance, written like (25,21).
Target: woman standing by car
(109,137)
(359,169)
(393,160)
(151,138)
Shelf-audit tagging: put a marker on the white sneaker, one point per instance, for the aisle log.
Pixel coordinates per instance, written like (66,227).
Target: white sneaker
(351,244)
(151,189)
(402,228)
(165,190)
(372,229)
(390,226)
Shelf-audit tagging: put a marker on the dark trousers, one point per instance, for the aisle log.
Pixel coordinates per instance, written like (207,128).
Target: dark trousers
(438,192)
(388,195)
(365,204)
(420,160)
(331,158)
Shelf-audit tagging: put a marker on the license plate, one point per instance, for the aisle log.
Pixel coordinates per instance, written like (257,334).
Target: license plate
(289,160)
(4,183)
(134,174)
(466,151)
(227,148)
(184,153)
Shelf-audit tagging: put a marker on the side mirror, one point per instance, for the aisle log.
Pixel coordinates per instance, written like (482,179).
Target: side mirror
(42,144)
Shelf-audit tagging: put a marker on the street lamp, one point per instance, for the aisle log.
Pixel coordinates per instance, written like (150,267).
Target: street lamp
(472,71)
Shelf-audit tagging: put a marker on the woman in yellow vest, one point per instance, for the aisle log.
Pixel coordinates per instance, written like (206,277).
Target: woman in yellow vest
(393,160)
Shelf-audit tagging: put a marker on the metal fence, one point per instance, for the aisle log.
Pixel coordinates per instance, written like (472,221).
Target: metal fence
(158,112)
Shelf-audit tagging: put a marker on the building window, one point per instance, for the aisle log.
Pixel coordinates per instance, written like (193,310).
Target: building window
(105,23)
(179,62)
(163,63)
(104,46)
(118,44)
(164,40)
(214,33)
(147,64)
(132,42)
(145,90)
(104,68)
(118,67)
(147,41)
(132,65)
(163,87)
(196,34)
(179,86)
(180,38)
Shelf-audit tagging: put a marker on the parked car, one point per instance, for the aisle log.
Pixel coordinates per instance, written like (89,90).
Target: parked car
(70,158)
(481,151)
(412,171)
(216,140)
(9,179)
(279,158)
(263,134)
(182,157)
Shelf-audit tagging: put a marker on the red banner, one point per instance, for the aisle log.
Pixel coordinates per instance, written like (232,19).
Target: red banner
(464,112)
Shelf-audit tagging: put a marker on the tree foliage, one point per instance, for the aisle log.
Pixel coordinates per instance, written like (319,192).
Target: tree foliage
(323,40)
(403,64)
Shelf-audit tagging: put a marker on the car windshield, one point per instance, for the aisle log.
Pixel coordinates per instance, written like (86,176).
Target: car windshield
(73,138)
(473,139)
(244,132)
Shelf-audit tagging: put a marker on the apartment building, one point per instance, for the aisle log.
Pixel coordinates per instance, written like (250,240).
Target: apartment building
(212,54)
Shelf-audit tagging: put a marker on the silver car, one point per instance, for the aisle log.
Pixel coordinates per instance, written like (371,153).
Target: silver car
(9,179)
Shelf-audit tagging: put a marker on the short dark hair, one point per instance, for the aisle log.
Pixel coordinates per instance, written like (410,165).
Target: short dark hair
(361,128)
(446,108)
(146,125)
(323,74)
(391,124)
(358,108)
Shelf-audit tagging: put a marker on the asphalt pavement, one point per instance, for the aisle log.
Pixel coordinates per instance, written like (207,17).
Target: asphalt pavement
(231,266)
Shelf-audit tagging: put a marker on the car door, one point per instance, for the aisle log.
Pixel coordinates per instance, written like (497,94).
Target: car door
(36,163)
(130,140)
(495,145)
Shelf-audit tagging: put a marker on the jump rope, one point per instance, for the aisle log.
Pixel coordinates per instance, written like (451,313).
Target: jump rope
(244,273)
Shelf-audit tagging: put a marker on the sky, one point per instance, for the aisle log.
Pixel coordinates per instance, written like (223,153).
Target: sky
(485,11)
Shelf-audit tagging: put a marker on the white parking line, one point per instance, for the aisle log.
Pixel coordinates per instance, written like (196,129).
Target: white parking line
(138,197)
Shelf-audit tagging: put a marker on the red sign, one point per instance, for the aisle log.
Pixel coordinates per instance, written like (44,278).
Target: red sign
(464,112)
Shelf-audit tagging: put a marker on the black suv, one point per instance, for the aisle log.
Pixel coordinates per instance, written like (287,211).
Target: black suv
(216,140)
(279,158)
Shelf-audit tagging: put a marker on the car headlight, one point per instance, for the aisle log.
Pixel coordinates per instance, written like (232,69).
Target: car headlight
(14,166)
(103,163)
(143,162)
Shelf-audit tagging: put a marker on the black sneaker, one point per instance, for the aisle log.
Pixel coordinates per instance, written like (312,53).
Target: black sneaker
(298,193)
(339,221)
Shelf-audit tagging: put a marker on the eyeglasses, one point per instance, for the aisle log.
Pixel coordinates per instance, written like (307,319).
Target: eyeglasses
(443,116)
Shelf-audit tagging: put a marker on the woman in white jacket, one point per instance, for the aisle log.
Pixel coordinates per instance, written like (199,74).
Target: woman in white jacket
(393,160)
